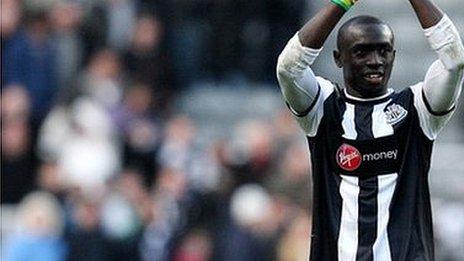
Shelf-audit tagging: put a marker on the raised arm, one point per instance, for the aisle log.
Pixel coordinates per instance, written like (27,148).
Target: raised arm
(315,32)
(296,79)
(443,81)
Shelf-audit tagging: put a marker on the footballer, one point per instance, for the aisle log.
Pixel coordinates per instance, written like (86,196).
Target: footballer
(370,145)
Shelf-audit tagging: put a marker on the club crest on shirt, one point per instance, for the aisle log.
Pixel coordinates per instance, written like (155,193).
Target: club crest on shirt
(395,113)
(348,157)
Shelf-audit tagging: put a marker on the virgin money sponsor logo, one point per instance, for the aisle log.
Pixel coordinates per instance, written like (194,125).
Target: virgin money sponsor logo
(348,157)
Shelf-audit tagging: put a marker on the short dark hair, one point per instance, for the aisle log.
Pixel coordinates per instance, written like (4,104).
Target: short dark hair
(355,21)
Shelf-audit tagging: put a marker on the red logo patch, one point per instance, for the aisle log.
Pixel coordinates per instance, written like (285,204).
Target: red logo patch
(348,157)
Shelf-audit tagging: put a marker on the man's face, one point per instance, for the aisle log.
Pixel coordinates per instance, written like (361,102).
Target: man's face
(366,55)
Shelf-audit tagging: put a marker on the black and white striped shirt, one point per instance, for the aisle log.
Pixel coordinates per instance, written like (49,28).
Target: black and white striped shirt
(370,160)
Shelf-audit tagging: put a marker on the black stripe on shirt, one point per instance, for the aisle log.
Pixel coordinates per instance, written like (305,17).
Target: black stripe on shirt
(311,106)
(363,121)
(368,189)
(367,217)
(435,113)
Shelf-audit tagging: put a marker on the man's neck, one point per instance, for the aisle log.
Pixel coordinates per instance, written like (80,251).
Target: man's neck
(364,95)
(354,95)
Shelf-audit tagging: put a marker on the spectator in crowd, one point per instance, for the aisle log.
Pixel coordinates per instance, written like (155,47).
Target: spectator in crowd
(18,174)
(85,239)
(197,246)
(140,127)
(28,59)
(178,145)
(168,216)
(83,125)
(249,233)
(291,180)
(93,29)
(39,235)
(11,15)
(250,151)
(49,179)
(10,20)
(147,61)
(121,17)
(102,79)
(66,19)
(122,218)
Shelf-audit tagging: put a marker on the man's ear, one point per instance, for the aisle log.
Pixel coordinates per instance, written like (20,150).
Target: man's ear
(337,58)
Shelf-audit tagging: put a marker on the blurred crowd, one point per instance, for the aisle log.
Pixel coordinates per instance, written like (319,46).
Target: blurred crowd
(98,163)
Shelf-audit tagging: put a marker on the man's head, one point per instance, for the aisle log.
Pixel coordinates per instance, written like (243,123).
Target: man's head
(366,54)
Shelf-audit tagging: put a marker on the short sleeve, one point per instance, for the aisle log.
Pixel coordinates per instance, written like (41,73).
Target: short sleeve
(431,122)
(311,119)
